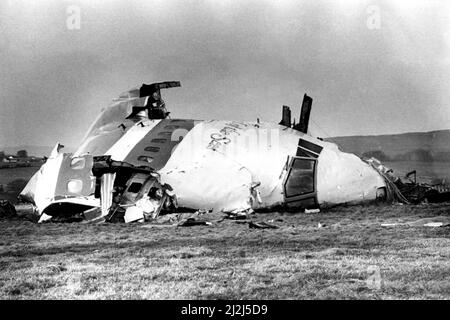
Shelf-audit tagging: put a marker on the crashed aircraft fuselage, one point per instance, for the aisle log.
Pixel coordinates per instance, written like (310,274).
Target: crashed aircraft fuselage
(206,164)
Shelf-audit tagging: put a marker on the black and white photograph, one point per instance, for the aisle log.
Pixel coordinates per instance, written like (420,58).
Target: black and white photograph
(232,150)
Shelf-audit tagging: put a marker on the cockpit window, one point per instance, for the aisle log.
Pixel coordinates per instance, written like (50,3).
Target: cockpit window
(135,187)
(301,178)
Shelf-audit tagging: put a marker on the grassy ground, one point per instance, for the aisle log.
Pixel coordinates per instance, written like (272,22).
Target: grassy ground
(13,180)
(229,260)
(10,174)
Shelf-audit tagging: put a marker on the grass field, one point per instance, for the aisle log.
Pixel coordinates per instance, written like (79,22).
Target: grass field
(12,181)
(10,174)
(351,257)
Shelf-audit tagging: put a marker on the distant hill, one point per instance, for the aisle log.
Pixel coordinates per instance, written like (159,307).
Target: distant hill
(419,146)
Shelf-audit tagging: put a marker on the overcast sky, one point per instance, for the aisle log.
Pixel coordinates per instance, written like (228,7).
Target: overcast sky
(372,67)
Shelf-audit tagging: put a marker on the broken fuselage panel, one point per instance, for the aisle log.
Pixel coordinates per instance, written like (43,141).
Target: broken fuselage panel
(207,164)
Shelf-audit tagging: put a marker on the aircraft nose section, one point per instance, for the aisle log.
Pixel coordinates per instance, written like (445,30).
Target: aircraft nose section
(345,178)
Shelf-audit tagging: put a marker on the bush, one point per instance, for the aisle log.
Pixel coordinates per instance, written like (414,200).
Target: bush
(22,153)
(380,155)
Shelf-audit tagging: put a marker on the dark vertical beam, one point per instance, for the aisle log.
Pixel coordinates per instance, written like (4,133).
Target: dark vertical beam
(302,126)
(286,117)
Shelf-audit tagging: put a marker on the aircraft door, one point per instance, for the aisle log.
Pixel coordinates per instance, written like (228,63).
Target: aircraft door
(300,183)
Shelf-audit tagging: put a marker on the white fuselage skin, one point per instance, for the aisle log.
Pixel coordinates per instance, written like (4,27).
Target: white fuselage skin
(218,164)
(205,177)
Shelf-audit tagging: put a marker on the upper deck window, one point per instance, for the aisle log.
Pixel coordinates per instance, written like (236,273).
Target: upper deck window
(171,127)
(152,149)
(166,134)
(158,140)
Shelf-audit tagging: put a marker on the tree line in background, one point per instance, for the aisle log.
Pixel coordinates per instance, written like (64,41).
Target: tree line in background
(20,159)
(19,154)
(414,155)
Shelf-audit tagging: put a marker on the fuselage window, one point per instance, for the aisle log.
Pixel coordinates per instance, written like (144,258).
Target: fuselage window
(301,178)
(152,149)
(171,127)
(157,140)
(166,134)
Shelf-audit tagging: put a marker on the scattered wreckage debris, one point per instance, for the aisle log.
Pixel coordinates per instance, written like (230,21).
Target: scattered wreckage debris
(7,210)
(410,191)
(126,193)
(238,214)
(321,225)
(184,219)
(439,221)
(261,225)
(312,210)
(193,222)
(194,219)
